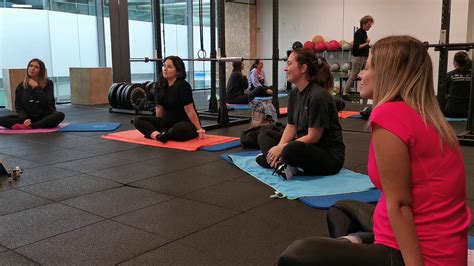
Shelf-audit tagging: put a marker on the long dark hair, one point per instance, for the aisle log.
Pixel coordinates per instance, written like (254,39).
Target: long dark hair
(255,64)
(42,76)
(318,68)
(180,70)
(237,66)
(463,61)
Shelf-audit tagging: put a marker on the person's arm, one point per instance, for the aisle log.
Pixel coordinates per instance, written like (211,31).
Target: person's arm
(18,102)
(160,111)
(313,136)
(393,162)
(45,95)
(253,78)
(367,43)
(274,154)
(192,115)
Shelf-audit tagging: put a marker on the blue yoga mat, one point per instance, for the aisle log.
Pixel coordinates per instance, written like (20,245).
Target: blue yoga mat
(222,147)
(239,106)
(345,181)
(90,127)
(324,202)
(470,242)
(356,117)
(454,119)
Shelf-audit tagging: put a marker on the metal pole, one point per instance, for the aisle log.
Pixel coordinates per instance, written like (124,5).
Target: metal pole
(120,41)
(213,100)
(157,37)
(275,57)
(190,24)
(470,114)
(99,7)
(223,116)
(443,54)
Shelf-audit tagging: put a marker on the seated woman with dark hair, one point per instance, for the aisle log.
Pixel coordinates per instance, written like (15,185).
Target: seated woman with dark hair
(237,85)
(176,116)
(458,86)
(34,101)
(312,139)
(257,80)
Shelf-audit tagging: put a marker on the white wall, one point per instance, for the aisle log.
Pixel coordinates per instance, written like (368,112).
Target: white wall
(334,19)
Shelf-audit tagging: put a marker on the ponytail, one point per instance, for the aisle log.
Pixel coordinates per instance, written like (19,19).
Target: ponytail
(463,61)
(318,68)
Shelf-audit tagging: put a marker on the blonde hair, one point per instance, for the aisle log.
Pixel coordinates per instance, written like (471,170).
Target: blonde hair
(42,76)
(403,71)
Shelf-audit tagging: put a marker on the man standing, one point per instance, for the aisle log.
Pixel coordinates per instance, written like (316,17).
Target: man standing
(360,52)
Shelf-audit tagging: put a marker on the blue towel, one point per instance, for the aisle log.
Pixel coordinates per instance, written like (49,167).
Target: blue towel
(455,119)
(222,147)
(345,181)
(356,117)
(238,106)
(90,127)
(324,202)
(470,242)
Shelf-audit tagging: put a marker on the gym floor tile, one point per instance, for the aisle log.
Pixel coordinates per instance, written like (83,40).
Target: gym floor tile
(13,258)
(182,160)
(238,194)
(259,240)
(41,174)
(28,226)
(142,154)
(80,141)
(128,173)
(58,156)
(24,164)
(8,142)
(31,148)
(104,243)
(109,146)
(175,254)
(69,187)
(180,182)
(91,164)
(175,218)
(2,248)
(295,214)
(14,200)
(218,168)
(116,201)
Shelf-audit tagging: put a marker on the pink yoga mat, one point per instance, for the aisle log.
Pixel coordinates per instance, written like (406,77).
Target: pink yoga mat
(283,110)
(7,131)
(346,114)
(134,136)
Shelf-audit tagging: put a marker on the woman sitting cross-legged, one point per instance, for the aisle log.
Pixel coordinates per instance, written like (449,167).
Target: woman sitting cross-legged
(34,101)
(312,139)
(176,116)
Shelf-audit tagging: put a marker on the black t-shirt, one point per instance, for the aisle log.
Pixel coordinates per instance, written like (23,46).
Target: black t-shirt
(360,37)
(236,85)
(314,107)
(35,103)
(458,88)
(173,99)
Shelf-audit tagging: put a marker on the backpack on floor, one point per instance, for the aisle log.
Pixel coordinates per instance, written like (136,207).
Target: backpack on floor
(249,137)
(263,113)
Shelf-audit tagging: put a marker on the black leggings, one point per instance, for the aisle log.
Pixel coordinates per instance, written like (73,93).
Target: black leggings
(48,121)
(344,218)
(246,98)
(313,159)
(181,131)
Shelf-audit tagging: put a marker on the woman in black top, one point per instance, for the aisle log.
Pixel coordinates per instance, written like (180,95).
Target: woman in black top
(176,116)
(34,101)
(458,86)
(237,85)
(312,139)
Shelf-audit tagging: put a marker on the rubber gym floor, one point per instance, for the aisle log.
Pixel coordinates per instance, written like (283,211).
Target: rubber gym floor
(86,200)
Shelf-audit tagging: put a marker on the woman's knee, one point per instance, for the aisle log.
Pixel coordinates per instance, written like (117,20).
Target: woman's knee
(293,148)
(308,251)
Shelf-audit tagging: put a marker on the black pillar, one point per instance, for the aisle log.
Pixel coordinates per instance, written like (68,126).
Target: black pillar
(223,116)
(443,53)
(99,6)
(120,41)
(275,57)
(213,100)
(470,115)
(157,37)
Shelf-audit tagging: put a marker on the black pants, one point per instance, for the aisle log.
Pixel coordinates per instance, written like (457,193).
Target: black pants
(344,217)
(246,98)
(48,121)
(313,159)
(181,131)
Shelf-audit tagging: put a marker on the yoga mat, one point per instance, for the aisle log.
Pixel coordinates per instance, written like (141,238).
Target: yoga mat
(90,127)
(345,181)
(470,242)
(283,110)
(455,119)
(222,147)
(346,114)
(238,106)
(134,136)
(324,202)
(7,131)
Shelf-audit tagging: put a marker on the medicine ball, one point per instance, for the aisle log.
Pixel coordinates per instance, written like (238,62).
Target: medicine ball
(318,38)
(346,46)
(320,47)
(346,67)
(297,45)
(309,45)
(333,46)
(335,67)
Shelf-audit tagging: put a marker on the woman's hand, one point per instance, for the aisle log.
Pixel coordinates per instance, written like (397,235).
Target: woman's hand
(27,123)
(274,155)
(201,132)
(32,83)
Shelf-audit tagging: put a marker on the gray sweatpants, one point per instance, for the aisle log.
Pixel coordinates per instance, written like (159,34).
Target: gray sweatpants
(358,63)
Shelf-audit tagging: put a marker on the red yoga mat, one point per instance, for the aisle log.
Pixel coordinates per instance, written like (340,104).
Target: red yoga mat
(283,110)
(7,131)
(134,136)
(346,114)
